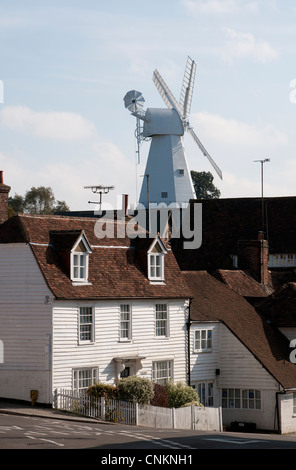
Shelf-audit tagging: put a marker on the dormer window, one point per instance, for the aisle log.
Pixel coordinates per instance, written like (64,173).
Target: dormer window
(79,260)
(79,266)
(156,261)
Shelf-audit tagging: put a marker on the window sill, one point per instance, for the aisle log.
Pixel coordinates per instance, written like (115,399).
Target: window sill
(81,283)
(198,351)
(157,282)
(86,343)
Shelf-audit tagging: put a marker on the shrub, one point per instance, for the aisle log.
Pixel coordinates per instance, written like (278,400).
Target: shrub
(136,389)
(102,390)
(179,394)
(160,396)
(194,403)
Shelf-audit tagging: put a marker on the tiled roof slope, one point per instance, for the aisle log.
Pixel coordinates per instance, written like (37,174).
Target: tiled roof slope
(117,266)
(241,282)
(280,308)
(213,301)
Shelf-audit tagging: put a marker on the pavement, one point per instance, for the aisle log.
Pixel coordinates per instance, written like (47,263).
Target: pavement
(26,409)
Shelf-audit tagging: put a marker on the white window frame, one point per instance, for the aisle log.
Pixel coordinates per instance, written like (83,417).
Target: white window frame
(156,261)
(294,404)
(243,399)
(82,268)
(156,266)
(203,340)
(88,327)
(282,260)
(84,378)
(205,391)
(79,266)
(162,371)
(161,320)
(125,322)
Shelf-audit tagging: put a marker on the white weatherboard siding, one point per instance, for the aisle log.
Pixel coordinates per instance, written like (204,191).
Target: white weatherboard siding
(238,369)
(25,325)
(68,354)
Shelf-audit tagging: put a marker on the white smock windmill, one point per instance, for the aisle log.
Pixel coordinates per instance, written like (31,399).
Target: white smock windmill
(168,176)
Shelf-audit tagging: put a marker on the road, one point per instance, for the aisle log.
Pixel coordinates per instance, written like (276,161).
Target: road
(110,440)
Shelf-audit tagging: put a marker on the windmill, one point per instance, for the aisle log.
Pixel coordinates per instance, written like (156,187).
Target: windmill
(168,177)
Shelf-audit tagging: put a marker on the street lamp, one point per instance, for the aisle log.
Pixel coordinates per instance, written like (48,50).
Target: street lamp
(262,198)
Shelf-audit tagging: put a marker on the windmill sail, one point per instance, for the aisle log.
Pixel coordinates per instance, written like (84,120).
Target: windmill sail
(204,151)
(187,87)
(165,92)
(184,104)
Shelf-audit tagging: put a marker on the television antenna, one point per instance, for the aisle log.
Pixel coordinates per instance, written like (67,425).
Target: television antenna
(99,190)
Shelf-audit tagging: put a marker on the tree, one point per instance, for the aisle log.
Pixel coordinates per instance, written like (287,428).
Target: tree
(203,185)
(16,204)
(39,200)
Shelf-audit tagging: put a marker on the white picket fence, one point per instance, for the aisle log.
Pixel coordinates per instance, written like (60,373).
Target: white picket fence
(191,417)
(82,404)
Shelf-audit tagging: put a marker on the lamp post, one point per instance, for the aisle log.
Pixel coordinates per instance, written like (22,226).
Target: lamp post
(263,277)
(262,197)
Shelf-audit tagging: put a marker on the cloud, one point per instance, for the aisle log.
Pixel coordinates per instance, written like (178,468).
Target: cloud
(235,133)
(239,45)
(51,125)
(219,6)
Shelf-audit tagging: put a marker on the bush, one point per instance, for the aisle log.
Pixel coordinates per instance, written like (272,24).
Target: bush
(102,390)
(179,394)
(160,396)
(192,403)
(136,389)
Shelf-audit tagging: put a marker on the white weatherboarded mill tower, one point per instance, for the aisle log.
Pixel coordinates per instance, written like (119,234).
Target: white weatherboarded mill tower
(167,176)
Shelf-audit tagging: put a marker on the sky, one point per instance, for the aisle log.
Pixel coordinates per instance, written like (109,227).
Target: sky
(66,66)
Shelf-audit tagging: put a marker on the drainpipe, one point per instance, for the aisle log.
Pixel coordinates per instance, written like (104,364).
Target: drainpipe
(188,343)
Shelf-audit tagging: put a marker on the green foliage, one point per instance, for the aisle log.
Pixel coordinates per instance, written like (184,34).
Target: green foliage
(160,396)
(103,390)
(179,394)
(136,389)
(39,200)
(192,403)
(203,185)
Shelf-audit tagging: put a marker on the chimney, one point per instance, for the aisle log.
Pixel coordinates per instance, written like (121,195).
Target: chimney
(125,205)
(253,257)
(4,190)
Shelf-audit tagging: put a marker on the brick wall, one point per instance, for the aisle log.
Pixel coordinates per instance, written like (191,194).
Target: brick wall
(253,257)
(4,191)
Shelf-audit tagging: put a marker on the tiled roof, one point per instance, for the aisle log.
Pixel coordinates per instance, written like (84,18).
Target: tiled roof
(241,282)
(213,301)
(117,266)
(280,308)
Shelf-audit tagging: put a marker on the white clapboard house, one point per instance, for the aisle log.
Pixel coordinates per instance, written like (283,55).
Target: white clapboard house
(238,359)
(75,308)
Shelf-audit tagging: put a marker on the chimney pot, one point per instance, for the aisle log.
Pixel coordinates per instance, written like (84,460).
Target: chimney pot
(260,235)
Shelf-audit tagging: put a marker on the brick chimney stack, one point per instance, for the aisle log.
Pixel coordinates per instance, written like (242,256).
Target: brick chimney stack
(253,257)
(4,191)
